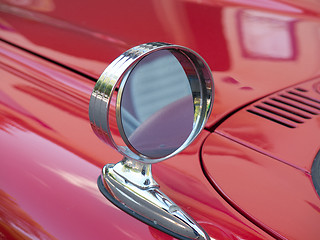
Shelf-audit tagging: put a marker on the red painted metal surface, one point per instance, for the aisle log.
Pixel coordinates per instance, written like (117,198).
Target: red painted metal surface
(51,160)
(254,48)
(284,125)
(278,197)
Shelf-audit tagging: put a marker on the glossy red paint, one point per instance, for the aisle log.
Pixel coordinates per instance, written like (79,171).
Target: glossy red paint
(254,48)
(53,159)
(276,196)
(292,113)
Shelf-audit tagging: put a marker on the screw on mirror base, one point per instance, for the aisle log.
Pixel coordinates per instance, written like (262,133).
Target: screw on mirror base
(148,204)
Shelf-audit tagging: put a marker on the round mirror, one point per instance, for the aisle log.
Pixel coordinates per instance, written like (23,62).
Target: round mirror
(157,108)
(160,96)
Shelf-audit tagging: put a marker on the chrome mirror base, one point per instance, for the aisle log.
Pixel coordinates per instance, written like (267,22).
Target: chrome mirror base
(141,198)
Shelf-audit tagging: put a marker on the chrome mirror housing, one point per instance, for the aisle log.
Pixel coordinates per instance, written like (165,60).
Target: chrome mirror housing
(150,104)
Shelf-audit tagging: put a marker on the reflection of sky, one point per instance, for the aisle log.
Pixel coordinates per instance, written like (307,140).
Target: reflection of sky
(266,35)
(79,181)
(156,82)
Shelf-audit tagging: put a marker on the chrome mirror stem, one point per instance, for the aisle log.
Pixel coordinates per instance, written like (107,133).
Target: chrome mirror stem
(149,104)
(135,172)
(141,197)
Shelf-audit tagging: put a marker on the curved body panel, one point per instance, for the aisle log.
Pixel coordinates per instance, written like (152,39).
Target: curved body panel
(276,196)
(254,48)
(53,159)
(245,177)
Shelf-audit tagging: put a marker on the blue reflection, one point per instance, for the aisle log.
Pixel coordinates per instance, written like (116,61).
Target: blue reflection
(157,105)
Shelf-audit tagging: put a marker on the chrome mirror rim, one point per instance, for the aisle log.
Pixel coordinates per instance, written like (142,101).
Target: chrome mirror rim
(115,77)
(129,183)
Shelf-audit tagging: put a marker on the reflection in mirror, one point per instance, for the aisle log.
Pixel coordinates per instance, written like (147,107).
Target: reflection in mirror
(157,108)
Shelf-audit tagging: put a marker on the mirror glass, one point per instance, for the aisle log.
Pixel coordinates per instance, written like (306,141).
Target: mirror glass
(157,110)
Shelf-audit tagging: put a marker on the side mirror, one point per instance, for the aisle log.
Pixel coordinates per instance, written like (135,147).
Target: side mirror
(150,104)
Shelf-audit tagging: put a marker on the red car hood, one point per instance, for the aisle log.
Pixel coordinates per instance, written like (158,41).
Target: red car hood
(271,167)
(253,48)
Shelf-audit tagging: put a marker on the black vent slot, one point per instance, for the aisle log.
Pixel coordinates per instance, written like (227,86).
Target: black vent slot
(271,118)
(289,108)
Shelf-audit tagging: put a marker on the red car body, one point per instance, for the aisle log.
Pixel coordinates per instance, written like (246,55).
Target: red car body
(248,174)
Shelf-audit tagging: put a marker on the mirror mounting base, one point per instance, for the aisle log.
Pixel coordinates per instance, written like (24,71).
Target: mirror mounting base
(141,198)
(137,173)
